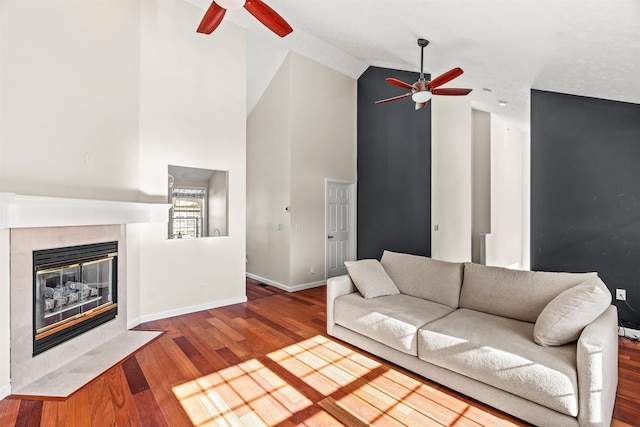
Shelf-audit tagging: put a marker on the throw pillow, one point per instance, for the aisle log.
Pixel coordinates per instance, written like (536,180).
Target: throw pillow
(564,318)
(370,278)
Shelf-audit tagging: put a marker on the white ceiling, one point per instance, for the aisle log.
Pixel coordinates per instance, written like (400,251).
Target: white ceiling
(580,47)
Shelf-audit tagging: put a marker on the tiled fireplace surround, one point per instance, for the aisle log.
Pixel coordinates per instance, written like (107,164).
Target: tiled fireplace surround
(36,223)
(26,368)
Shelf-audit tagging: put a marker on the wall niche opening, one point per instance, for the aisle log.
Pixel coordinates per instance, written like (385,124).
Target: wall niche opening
(199,202)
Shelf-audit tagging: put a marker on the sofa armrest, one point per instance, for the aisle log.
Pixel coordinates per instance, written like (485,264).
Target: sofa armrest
(597,359)
(336,286)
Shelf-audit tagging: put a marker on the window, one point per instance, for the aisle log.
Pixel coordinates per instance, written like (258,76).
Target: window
(189,216)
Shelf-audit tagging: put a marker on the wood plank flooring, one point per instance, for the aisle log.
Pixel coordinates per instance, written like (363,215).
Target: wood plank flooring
(269,362)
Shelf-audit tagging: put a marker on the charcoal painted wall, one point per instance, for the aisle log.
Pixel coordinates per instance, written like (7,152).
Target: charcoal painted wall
(585,191)
(394,168)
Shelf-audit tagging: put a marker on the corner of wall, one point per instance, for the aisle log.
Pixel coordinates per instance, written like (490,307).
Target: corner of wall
(5,310)
(133,275)
(451,157)
(481,182)
(269,180)
(198,120)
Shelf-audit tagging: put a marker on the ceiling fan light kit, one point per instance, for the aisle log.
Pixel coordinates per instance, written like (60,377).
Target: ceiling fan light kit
(263,13)
(422,90)
(422,96)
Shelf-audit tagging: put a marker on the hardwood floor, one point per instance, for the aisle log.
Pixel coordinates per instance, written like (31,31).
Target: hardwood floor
(270,362)
(627,409)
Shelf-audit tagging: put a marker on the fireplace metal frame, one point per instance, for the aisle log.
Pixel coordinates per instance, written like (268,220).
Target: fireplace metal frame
(79,324)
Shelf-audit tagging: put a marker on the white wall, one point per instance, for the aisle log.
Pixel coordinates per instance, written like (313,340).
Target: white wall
(132,235)
(5,309)
(526,201)
(508,154)
(192,113)
(451,178)
(218,212)
(70,86)
(324,134)
(480,182)
(501,180)
(269,181)
(5,306)
(96,99)
(302,131)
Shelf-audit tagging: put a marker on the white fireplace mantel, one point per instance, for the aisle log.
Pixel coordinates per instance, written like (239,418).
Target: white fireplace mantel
(21,211)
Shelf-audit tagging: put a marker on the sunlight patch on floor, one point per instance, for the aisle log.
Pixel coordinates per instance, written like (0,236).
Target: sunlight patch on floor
(247,394)
(323,364)
(355,390)
(250,393)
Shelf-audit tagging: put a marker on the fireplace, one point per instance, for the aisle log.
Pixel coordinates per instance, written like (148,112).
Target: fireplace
(33,223)
(74,290)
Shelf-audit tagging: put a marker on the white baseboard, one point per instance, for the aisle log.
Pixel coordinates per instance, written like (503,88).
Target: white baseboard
(633,334)
(191,309)
(286,287)
(5,391)
(215,304)
(133,323)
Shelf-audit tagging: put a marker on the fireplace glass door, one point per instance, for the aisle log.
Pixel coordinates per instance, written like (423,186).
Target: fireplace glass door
(70,295)
(71,290)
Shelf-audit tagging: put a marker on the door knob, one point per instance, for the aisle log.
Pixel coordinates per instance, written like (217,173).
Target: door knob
(330,237)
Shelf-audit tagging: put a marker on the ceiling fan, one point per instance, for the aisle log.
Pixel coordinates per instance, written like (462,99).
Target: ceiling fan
(422,90)
(263,13)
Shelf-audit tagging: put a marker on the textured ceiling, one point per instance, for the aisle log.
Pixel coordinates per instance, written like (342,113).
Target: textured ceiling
(581,47)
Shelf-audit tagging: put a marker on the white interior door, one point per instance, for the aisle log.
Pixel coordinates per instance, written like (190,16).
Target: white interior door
(340,226)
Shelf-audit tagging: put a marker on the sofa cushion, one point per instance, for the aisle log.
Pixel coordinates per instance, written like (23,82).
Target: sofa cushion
(392,320)
(500,352)
(564,318)
(370,278)
(424,277)
(520,295)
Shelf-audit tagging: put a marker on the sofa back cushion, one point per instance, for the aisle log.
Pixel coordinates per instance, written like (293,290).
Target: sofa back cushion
(423,277)
(517,294)
(564,318)
(370,278)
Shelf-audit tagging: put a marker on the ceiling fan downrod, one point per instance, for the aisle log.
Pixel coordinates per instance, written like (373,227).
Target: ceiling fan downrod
(422,43)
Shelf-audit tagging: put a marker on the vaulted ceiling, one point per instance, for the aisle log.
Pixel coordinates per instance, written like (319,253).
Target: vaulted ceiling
(506,47)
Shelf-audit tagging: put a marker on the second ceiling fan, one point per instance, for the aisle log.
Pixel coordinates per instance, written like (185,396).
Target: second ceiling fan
(422,90)
(263,13)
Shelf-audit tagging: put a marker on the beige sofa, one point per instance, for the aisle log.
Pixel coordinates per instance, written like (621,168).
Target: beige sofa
(493,334)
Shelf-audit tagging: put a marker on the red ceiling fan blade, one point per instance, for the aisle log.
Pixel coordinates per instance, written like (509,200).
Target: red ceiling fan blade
(399,83)
(420,105)
(394,98)
(268,17)
(212,18)
(451,91)
(444,78)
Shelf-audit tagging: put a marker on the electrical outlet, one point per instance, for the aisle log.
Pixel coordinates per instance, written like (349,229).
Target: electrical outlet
(201,286)
(621,294)
(312,270)
(88,159)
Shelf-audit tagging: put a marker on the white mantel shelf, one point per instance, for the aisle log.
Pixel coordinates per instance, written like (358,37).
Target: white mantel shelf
(20,211)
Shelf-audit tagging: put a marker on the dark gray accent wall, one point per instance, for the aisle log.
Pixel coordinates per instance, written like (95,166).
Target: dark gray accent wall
(585,190)
(394,168)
